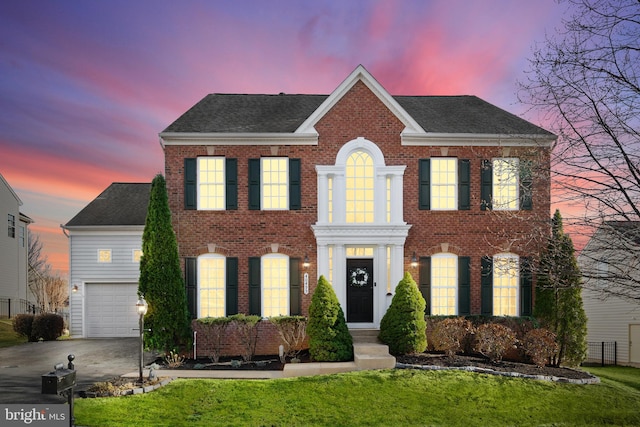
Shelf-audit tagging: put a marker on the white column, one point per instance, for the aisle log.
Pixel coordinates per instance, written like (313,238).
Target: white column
(339,194)
(396,199)
(381,283)
(339,275)
(397,266)
(323,197)
(323,261)
(380,198)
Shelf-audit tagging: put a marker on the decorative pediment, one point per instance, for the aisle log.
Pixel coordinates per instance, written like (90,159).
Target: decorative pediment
(360,74)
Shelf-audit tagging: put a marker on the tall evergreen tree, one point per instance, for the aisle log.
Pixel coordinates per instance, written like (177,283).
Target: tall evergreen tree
(161,283)
(558,296)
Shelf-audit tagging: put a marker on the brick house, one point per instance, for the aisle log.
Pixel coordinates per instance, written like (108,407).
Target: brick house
(268,192)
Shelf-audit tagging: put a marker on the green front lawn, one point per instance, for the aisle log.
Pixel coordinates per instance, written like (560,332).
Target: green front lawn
(8,337)
(376,398)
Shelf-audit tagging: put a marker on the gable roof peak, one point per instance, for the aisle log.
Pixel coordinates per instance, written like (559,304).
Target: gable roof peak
(360,74)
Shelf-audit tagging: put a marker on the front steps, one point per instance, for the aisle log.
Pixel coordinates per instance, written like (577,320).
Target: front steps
(369,352)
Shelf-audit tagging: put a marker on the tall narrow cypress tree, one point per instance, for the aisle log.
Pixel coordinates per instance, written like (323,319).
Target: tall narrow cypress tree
(161,282)
(558,296)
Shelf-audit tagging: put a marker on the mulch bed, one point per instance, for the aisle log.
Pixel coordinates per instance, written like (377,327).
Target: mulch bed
(459,361)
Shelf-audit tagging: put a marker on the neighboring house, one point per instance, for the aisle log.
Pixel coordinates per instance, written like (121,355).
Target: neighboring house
(105,245)
(268,192)
(610,263)
(15,296)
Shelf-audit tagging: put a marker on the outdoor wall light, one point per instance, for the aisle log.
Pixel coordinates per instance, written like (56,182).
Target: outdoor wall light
(306,264)
(414,260)
(74,289)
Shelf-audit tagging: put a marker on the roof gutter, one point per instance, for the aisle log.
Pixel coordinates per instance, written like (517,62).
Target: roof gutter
(228,138)
(476,139)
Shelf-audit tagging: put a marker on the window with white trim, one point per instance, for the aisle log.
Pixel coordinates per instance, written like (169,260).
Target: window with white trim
(211,285)
(275,285)
(275,183)
(211,183)
(359,175)
(104,255)
(506,279)
(444,284)
(506,174)
(136,255)
(444,183)
(11,220)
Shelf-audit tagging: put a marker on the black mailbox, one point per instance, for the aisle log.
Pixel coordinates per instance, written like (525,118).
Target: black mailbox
(58,381)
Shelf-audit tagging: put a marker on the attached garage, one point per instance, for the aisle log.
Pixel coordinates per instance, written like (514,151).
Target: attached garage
(110,310)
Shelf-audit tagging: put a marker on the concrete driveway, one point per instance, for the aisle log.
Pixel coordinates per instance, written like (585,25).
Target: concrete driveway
(22,366)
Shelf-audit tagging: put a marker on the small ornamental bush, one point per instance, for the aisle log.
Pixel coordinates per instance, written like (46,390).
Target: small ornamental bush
(292,330)
(47,327)
(403,327)
(247,327)
(329,337)
(214,328)
(540,345)
(494,340)
(23,324)
(448,335)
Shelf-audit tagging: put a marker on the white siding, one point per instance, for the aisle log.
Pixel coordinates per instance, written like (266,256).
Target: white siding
(609,320)
(13,256)
(85,268)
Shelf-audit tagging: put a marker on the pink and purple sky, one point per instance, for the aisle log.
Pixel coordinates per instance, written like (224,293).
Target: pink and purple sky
(86,86)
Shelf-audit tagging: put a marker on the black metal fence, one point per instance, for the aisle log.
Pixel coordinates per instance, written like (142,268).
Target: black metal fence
(602,353)
(10,307)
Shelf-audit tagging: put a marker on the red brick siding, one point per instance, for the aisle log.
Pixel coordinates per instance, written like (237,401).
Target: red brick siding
(243,233)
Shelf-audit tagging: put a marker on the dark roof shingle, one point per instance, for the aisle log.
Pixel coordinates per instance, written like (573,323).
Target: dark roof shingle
(119,204)
(242,113)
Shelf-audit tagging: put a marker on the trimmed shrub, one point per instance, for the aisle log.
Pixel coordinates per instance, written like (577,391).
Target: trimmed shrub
(215,328)
(403,327)
(494,340)
(247,328)
(23,324)
(540,345)
(292,330)
(329,337)
(47,327)
(449,335)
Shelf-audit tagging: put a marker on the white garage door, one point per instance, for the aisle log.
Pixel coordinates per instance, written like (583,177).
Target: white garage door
(111,310)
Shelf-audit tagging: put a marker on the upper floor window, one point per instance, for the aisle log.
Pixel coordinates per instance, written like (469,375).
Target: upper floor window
(211,285)
(22,236)
(444,184)
(359,175)
(275,183)
(505,184)
(211,183)
(104,255)
(11,219)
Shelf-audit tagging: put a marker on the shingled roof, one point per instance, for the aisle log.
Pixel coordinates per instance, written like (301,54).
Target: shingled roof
(283,113)
(119,204)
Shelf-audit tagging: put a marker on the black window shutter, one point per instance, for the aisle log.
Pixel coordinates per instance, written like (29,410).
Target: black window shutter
(464,286)
(486,184)
(294,287)
(425,282)
(191,285)
(231,183)
(231,287)
(526,187)
(254,184)
(295,190)
(424,196)
(254,286)
(526,287)
(190,183)
(486,287)
(464,185)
